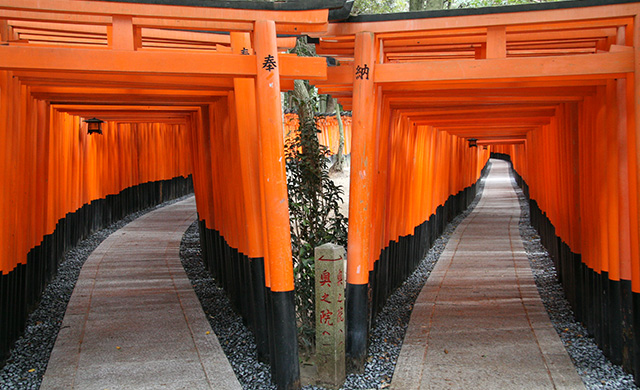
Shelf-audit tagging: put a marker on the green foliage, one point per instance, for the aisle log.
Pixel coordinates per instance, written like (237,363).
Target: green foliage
(391,6)
(493,3)
(379,7)
(314,207)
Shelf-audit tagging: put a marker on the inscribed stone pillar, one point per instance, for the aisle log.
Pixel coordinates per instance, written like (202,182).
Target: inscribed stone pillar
(330,331)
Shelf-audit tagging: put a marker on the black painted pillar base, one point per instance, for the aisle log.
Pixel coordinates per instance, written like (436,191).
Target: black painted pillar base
(260,308)
(357,326)
(286,369)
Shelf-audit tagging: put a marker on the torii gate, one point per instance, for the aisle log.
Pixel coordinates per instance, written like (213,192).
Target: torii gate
(132,64)
(532,81)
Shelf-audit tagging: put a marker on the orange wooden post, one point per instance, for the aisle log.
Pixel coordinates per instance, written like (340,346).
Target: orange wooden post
(247,120)
(286,370)
(496,42)
(360,212)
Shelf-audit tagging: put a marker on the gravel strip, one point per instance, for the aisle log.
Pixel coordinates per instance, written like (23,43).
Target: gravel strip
(596,371)
(29,357)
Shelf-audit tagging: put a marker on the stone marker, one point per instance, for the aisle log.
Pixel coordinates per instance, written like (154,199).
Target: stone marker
(330,336)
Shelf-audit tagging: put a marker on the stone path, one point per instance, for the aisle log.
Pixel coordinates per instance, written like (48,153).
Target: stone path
(479,322)
(133,321)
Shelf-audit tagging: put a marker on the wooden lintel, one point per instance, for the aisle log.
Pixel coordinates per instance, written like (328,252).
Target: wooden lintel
(338,75)
(151,62)
(602,65)
(185,13)
(294,67)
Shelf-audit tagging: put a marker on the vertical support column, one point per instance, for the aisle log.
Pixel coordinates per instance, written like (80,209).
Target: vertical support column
(247,119)
(6,32)
(286,367)
(623,296)
(360,211)
(635,177)
(496,42)
(122,35)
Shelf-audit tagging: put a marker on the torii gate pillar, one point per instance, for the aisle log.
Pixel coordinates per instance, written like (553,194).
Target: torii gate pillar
(286,369)
(362,175)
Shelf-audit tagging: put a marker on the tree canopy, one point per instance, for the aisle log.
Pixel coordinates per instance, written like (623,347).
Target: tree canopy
(391,6)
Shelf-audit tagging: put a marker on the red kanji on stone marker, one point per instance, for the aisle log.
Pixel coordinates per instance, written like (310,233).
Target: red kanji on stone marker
(340,315)
(340,278)
(325,278)
(324,298)
(325,316)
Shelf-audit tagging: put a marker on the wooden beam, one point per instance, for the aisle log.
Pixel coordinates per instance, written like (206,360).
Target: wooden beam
(182,82)
(55,17)
(310,68)
(342,74)
(604,65)
(171,12)
(150,62)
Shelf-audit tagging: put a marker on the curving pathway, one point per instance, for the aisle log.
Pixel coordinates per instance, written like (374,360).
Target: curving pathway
(478,322)
(133,321)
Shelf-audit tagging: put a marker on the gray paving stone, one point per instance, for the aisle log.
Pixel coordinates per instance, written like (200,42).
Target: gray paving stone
(479,322)
(133,321)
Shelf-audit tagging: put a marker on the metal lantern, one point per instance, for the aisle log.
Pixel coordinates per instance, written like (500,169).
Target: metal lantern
(94,125)
(473,142)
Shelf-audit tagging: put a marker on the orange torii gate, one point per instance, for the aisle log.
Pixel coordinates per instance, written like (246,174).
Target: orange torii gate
(184,91)
(553,86)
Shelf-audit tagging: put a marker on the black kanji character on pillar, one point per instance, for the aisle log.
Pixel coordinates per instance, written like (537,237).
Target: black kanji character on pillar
(269,63)
(244,51)
(362,71)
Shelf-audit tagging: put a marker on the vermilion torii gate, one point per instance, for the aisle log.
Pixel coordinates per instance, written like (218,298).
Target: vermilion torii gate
(552,85)
(176,102)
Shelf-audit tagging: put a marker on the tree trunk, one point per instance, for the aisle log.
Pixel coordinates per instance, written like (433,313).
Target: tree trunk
(434,4)
(331,105)
(302,100)
(338,166)
(416,5)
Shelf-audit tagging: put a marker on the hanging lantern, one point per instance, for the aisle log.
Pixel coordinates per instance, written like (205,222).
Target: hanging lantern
(94,125)
(473,142)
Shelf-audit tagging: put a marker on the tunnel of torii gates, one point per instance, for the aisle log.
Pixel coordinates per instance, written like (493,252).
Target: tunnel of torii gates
(190,97)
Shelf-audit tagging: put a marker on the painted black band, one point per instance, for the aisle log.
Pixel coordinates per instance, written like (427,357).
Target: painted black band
(261,329)
(254,5)
(286,370)
(357,325)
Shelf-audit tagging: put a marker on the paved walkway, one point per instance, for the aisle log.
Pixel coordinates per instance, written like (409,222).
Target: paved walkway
(479,322)
(133,321)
